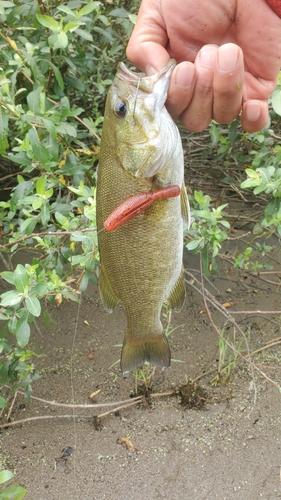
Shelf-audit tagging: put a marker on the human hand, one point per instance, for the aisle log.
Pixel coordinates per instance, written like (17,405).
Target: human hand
(228,55)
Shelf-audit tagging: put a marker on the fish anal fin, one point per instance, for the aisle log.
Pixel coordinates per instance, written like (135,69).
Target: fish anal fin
(108,296)
(185,208)
(177,295)
(154,349)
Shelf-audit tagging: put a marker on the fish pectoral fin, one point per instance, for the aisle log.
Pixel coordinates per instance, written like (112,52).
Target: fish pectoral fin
(108,296)
(185,208)
(154,349)
(177,295)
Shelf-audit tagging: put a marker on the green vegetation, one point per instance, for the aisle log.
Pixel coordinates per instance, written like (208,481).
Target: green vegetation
(13,492)
(57,62)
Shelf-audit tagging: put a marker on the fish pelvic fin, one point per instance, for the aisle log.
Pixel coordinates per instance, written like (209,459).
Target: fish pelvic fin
(154,349)
(107,294)
(177,295)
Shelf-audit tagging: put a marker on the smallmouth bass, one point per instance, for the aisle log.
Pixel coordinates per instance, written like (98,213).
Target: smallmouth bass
(141,259)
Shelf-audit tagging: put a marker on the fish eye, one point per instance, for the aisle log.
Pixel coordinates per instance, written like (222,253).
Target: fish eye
(120,109)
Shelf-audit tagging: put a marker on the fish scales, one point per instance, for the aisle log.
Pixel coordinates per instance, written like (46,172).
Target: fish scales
(141,261)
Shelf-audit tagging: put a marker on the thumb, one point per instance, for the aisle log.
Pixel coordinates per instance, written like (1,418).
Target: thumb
(146,47)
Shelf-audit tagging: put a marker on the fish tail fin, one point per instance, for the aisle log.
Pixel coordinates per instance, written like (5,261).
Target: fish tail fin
(154,349)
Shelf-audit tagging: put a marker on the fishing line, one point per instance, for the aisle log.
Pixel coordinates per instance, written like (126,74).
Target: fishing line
(72,394)
(135,103)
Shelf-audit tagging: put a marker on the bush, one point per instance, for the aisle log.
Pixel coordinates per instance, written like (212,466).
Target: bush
(57,61)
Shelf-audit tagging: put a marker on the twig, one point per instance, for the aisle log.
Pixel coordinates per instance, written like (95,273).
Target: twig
(272,340)
(207,296)
(222,337)
(66,405)
(47,233)
(121,407)
(162,394)
(41,417)
(265,280)
(206,373)
(12,405)
(5,262)
(238,238)
(266,347)
(9,175)
(256,312)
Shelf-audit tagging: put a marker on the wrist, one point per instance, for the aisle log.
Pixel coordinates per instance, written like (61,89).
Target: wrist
(275,5)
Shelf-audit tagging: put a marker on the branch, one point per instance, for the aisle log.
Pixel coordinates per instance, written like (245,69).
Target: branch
(46,233)
(66,405)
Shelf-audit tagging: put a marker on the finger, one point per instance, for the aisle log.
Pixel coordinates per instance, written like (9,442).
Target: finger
(200,111)
(146,47)
(181,89)
(254,115)
(228,83)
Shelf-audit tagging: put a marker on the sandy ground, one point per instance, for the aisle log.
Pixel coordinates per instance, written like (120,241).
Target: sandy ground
(227,446)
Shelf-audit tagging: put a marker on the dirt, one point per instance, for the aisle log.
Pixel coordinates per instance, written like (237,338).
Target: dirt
(217,437)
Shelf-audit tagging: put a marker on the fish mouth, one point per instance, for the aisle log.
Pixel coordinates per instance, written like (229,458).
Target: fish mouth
(146,83)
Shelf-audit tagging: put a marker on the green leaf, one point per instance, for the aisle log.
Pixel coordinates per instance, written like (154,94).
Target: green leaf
(4,123)
(74,82)
(22,332)
(5,475)
(62,220)
(3,404)
(45,214)
(33,305)
(48,320)
(57,74)
(49,22)
(67,10)
(105,33)
(8,276)
(84,282)
(58,41)
(6,4)
(10,298)
(87,9)
(14,492)
(66,129)
(71,27)
(33,100)
(133,18)
(118,13)
(192,245)
(84,34)
(41,185)
(40,289)
(28,225)
(276,101)
(21,278)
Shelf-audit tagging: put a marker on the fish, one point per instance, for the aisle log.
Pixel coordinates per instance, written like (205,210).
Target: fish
(141,207)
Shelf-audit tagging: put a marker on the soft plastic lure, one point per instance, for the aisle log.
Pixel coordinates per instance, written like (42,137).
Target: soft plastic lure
(136,205)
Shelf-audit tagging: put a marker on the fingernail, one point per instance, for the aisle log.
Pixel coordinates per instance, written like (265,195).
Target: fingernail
(184,76)
(228,58)
(253,111)
(207,56)
(150,70)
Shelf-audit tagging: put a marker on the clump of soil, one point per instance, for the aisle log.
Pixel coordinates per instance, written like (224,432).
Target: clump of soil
(192,395)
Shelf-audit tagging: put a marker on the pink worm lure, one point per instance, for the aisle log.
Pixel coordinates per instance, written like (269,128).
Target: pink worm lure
(136,205)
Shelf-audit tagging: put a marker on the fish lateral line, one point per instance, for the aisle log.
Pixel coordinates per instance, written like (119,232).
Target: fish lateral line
(137,204)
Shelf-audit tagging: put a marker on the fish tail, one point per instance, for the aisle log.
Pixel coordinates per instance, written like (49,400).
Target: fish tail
(154,349)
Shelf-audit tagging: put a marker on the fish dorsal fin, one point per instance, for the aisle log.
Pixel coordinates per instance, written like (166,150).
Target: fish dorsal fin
(108,296)
(177,295)
(185,208)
